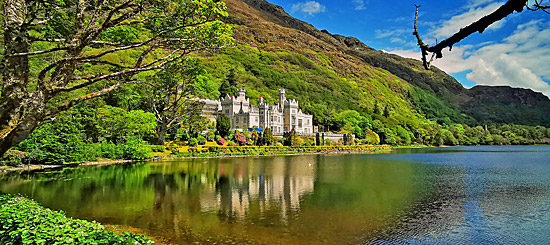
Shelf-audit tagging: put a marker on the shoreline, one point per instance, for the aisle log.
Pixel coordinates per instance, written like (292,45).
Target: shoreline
(40,167)
(31,168)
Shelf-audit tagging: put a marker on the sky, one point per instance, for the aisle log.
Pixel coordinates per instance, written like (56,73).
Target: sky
(514,51)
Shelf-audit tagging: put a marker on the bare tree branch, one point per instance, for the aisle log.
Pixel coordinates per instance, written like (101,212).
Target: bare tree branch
(538,5)
(478,26)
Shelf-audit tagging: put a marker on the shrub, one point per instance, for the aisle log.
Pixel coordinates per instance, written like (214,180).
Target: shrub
(239,138)
(13,158)
(201,140)
(134,148)
(24,221)
(91,151)
(157,148)
(59,142)
(222,141)
(193,142)
(112,151)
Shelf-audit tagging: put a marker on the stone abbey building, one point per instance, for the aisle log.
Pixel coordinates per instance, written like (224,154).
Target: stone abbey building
(281,117)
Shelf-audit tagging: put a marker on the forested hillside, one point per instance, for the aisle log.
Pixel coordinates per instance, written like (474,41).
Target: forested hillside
(457,103)
(275,50)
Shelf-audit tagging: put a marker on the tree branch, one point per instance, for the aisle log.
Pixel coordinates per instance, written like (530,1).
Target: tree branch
(77,100)
(538,5)
(39,52)
(478,26)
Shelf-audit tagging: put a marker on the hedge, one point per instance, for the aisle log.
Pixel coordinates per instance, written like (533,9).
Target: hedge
(267,150)
(24,221)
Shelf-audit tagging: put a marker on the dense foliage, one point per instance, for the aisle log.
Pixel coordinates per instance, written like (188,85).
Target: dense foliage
(86,134)
(57,54)
(24,221)
(223,125)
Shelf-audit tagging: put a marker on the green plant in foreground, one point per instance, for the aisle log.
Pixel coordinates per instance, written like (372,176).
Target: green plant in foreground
(24,221)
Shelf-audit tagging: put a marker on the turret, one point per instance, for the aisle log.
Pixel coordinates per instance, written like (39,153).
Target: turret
(282,97)
(242,93)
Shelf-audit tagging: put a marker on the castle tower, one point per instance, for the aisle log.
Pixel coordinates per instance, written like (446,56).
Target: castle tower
(241,93)
(282,98)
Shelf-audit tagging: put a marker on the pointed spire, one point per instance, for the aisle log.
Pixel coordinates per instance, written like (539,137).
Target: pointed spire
(241,110)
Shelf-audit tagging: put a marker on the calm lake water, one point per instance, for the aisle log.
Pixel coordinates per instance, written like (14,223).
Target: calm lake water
(439,195)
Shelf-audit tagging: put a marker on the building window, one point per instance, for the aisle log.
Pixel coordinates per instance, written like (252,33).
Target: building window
(299,123)
(307,121)
(237,120)
(255,119)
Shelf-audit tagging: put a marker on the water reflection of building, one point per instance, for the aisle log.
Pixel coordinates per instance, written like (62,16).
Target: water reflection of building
(266,187)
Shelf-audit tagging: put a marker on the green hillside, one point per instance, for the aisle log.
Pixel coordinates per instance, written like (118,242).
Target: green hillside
(435,94)
(334,77)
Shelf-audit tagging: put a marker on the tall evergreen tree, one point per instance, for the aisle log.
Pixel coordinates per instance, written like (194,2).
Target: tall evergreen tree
(223,125)
(229,84)
(267,138)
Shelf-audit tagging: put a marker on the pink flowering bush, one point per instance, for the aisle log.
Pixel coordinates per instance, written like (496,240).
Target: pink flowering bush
(239,138)
(223,141)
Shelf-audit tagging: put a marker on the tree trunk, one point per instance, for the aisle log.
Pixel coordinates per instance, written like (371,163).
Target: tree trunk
(162,129)
(15,125)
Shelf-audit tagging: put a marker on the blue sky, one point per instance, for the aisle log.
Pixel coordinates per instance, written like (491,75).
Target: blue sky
(514,51)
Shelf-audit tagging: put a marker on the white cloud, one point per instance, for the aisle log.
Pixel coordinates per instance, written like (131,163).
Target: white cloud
(359,4)
(505,69)
(477,3)
(520,60)
(309,8)
(383,33)
(451,26)
(397,40)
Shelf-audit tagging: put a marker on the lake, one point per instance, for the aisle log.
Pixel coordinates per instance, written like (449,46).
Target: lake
(485,194)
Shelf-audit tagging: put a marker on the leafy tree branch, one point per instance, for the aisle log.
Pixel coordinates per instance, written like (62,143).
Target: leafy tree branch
(82,49)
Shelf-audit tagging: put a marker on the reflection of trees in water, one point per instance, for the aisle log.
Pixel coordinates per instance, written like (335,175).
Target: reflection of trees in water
(83,191)
(225,191)
(185,200)
(160,183)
